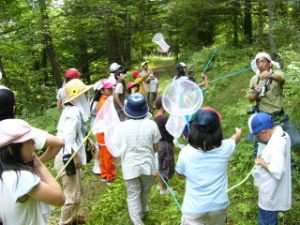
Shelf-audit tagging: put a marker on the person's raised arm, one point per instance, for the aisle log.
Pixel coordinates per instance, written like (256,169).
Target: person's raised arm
(48,190)
(237,135)
(59,104)
(54,145)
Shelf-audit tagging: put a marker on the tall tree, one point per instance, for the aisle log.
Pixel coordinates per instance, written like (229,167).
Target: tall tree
(260,24)
(248,21)
(3,73)
(271,26)
(49,42)
(236,7)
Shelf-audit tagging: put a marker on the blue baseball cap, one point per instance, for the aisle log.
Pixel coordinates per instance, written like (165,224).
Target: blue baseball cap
(207,120)
(259,122)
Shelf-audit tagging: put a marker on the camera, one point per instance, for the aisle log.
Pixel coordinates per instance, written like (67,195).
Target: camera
(253,109)
(70,169)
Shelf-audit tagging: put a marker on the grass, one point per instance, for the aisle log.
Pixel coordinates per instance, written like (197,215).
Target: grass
(107,205)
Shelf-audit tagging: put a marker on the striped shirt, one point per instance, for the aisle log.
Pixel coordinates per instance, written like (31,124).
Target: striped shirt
(275,185)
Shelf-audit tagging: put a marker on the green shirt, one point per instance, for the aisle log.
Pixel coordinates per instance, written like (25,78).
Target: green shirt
(272,101)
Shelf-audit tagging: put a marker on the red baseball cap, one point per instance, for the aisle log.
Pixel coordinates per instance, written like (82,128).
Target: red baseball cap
(130,85)
(135,74)
(72,74)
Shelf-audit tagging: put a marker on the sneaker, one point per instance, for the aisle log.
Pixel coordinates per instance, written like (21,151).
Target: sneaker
(96,170)
(109,183)
(103,180)
(163,192)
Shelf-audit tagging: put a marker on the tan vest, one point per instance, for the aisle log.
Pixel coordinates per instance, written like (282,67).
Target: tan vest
(272,101)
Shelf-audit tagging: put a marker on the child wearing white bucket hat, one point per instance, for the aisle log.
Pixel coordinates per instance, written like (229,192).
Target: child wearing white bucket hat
(25,183)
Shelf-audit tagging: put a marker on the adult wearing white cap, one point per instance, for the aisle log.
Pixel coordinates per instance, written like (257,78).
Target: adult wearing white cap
(181,72)
(112,69)
(266,91)
(146,72)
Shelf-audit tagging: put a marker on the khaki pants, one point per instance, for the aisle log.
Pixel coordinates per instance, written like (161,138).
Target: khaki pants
(210,218)
(138,190)
(72,190)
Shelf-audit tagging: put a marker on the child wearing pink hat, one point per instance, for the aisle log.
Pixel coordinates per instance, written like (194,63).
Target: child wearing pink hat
(7,111)
(107,164)
(25,183)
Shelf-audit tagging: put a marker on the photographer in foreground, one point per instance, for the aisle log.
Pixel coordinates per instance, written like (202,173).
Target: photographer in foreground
(266,91)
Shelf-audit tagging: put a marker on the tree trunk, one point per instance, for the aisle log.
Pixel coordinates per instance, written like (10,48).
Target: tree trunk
(248,21)
(49,43)
(127,42)
(4,76)
(113,45)
(84,60)
(271,26)
(236,9)
(260,24)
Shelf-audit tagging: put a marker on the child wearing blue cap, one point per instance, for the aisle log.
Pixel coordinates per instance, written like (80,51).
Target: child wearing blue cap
(204,165)
(273,172)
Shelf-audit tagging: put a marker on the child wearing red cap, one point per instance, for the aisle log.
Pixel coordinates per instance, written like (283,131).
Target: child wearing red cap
(139,80)
(25,183)
(61,95)
(133,88)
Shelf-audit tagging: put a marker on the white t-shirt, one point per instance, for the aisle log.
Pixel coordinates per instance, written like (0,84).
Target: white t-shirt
(138,157)
(153,85)
(181,78)
(119,88)
(112,79)
(275,185)
(12,187)
(206,177)
(61,94)
(40,137)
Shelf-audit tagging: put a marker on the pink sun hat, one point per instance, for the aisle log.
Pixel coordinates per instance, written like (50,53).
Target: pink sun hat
(15,131)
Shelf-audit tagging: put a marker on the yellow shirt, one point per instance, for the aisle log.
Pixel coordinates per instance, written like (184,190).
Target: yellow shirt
(139,81)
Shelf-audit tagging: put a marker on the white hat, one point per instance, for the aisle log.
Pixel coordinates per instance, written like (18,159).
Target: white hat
(262,55)
(114,66)
(182,64)
(143,63)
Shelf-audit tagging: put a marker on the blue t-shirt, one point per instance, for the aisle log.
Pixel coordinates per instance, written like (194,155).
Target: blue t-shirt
(206,177)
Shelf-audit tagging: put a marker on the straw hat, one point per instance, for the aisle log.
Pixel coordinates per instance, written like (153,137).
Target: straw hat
(74,88)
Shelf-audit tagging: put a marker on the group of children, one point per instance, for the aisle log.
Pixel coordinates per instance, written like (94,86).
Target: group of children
(25,183)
